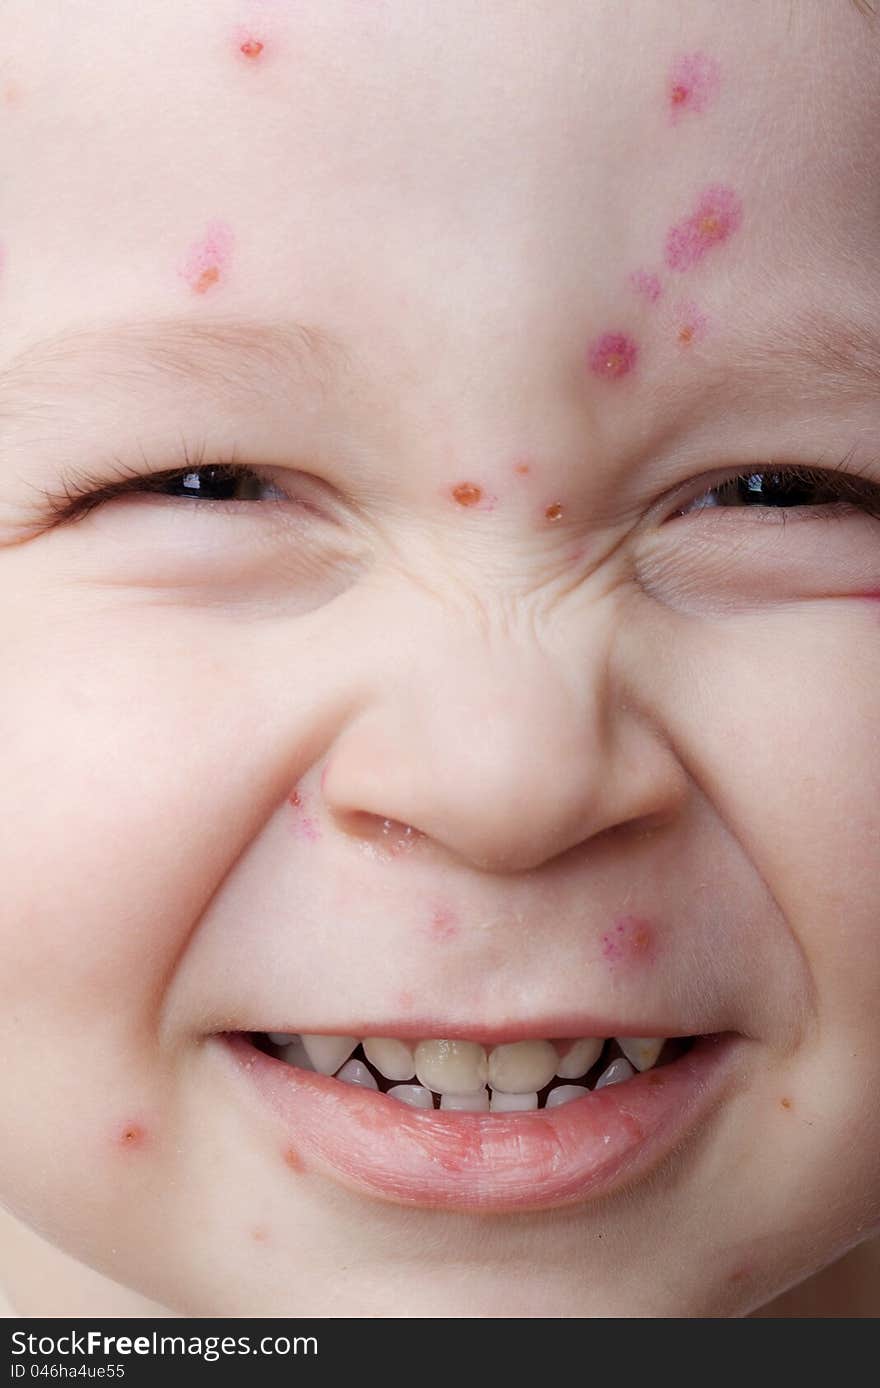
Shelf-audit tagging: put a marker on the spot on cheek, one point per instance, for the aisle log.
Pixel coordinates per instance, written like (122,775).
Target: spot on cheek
(691,325)
(260,1234)
(554,511)
(785,1103)
(612,356)
(443,925)
(646,283)
(292,1159)
(207,258)
(631,940)
(740,1274)
(130,1137)
(717,216)
(693,84)
(522,469)
(466,494)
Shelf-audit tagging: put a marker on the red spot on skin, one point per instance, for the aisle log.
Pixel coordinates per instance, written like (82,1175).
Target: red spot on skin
(466,494)
(694,82)
(631,940)
(406,1000)
(324,774)
(717,216)
(306,827)
(785,1103)
(292,1159)
(11,95)
(554,512)
(612,355)
(691,325)
(645,282)
(522,469)
(739,1274)
(443,925)
(207,258)
(260,1234)
(131,1136)
(251,48)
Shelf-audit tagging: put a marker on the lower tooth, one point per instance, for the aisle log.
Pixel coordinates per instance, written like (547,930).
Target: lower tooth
(416,1095)
(466,1103)
(564,1094)
(617,1071)
(356,1072)
(512,1103)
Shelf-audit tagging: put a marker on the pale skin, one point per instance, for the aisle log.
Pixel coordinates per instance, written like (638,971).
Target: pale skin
(579,710)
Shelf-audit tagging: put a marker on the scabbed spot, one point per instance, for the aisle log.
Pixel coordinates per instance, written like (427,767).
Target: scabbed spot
(466,494)
(131,1136)
(631,940)
(717,216)
(612,355)
(693,84)
(785,1103)
(691,325)
(554,511)
(207,258)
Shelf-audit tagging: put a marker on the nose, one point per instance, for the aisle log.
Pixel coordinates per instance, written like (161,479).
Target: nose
(505,757)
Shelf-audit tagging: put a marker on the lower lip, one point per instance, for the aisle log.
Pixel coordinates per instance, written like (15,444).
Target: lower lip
(491,1162)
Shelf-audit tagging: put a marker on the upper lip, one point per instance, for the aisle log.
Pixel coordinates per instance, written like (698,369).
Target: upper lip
(557,1027)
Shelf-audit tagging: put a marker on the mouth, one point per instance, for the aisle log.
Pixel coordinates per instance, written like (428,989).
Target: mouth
(455,1124)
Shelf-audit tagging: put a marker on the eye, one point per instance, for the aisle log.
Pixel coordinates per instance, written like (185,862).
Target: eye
(221,486)
(821,493)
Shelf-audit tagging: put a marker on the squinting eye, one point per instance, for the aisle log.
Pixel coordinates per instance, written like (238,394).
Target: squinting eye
(821,492)
(216,483)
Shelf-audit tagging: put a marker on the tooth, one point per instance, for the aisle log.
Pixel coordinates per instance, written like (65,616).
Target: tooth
(521,1066)
(617,1071)
(356,1072)
(513,1103)
(466,1103)
(328,1052)
(392,1058)
(416,1095)
(281,1038)
(451,1067)
(564,1093)
(295,1054)
(641,1050)
(581,1058)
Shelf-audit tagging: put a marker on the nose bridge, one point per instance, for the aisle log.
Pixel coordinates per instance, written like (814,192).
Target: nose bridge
(498,746)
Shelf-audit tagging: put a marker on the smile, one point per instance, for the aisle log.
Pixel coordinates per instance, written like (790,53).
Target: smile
(455,1124)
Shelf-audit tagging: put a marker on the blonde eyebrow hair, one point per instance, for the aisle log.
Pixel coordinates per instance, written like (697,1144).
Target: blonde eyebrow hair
(219,356)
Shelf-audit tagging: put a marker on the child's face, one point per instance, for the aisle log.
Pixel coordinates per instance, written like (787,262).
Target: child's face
(492,708)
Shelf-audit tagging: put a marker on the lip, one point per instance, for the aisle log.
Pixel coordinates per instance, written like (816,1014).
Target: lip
(450,1160)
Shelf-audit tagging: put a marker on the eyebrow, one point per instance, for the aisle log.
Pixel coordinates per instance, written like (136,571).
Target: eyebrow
(223,357)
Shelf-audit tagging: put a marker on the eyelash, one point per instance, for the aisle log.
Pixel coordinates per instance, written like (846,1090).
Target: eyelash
(83,492)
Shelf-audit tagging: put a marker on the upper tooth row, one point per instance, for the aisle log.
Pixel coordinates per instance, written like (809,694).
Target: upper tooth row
(463,1067)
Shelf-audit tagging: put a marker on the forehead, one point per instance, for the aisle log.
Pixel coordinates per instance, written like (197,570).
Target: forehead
(442,185)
